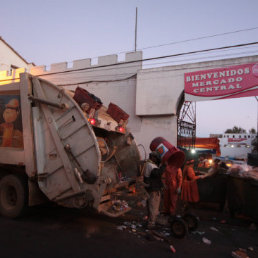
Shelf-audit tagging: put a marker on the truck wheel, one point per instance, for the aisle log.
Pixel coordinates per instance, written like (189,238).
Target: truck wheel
(13,196)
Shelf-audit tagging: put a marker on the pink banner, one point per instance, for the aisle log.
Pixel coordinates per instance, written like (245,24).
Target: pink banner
(222,83)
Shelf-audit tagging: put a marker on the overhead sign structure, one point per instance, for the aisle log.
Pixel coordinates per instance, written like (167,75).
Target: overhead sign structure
(222,83)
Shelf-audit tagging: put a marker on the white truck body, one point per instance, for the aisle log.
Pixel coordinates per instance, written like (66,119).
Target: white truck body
(60,155)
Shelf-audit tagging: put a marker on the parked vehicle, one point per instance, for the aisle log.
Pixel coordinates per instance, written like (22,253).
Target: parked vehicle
(51,149)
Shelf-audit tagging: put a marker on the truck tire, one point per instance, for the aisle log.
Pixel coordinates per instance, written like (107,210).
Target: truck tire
(13,196)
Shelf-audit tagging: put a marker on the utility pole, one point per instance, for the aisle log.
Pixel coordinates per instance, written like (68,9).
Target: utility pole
(135,39)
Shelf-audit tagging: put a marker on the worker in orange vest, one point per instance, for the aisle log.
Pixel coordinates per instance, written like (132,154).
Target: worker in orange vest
(190,191)
(172,181)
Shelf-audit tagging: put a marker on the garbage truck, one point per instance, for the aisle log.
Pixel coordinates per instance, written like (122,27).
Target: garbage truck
(62,146)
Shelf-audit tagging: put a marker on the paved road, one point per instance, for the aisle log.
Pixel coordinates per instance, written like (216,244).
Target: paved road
(58,232)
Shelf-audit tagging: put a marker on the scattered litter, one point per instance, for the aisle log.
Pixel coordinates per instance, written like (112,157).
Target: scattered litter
(206,241)
(167,234)
(127,223)
(172,248)
(253,227)
(214,229)
(198,233)
(250,248)
(119,205)
(240,253)
(223,221)
(121,227)
(133,226)
(133,230)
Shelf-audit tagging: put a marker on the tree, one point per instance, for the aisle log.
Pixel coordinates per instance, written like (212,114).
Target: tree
(252,131)
(236,129)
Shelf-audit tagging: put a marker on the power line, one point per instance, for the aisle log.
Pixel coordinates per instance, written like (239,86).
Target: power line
(198,38)
(183,41)
(149,59)
(131,75)
(167,62)
(156,58)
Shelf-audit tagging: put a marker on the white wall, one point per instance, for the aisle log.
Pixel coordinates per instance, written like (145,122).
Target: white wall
(158,90)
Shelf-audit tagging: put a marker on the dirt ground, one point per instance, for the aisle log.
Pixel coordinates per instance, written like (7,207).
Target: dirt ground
(50,231)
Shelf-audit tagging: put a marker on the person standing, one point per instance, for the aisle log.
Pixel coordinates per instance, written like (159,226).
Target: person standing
(152,180)
(173,183)
(190,191)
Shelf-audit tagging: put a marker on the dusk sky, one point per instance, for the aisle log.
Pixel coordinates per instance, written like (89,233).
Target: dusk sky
(53,31)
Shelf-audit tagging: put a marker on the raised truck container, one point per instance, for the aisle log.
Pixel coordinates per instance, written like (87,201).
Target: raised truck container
(51,147)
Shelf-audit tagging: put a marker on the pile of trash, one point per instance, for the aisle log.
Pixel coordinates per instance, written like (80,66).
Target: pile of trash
(162,235)
(243,171)
(138,228)
(119,205)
